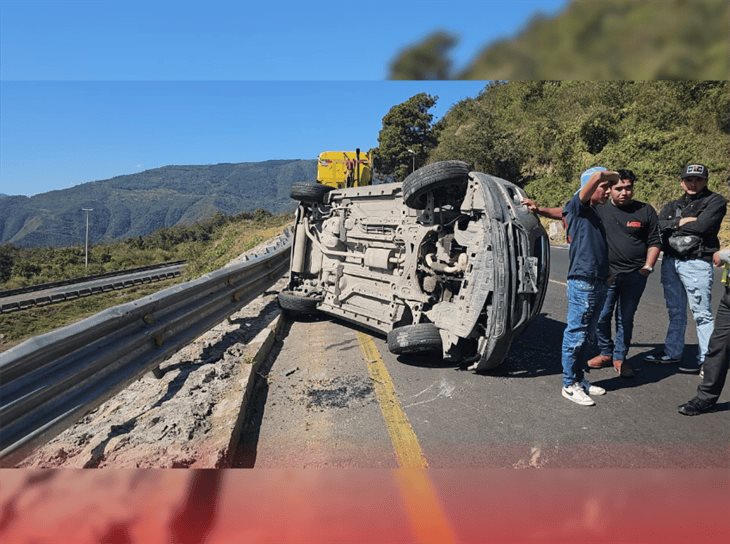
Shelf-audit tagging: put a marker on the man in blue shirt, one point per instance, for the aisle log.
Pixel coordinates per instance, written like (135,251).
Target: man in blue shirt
(588,273)
(587,281)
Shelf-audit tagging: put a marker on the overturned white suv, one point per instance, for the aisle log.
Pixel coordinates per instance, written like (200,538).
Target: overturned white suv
(447,261)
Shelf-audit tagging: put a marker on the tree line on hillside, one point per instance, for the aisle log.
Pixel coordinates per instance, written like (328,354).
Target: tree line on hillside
(20,267)
(610,39)
(542,134)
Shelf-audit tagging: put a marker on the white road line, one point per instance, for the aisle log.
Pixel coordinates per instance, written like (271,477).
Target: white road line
(560,282)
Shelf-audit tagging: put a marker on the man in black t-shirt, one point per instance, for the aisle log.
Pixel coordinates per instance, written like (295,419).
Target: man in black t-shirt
(634,245)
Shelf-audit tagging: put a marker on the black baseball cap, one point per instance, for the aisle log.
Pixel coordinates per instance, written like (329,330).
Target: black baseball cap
(693,170)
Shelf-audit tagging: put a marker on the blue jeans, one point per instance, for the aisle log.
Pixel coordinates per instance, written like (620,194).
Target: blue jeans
(683,282)
(623,295)
(585,300)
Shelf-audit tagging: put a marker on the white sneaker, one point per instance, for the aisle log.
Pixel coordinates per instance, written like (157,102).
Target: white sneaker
(576,394)
(592,389)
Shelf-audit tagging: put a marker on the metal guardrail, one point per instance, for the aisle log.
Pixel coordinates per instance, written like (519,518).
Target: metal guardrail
(49,382)
(73,290)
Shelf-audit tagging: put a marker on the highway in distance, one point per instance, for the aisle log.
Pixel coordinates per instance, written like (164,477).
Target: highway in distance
(75,289)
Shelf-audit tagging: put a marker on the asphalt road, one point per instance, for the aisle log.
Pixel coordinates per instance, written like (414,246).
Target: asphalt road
(324,404)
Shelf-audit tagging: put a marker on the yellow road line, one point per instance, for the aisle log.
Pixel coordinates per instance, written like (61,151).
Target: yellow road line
(407,449)
(426,515)
(427,518)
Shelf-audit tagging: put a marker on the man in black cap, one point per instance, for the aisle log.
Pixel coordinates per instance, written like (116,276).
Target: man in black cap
(689,227)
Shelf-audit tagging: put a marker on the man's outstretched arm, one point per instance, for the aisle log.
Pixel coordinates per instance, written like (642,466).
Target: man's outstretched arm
(550,213)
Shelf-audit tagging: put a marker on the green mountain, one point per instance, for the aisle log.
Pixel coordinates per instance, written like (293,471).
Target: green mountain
(137,204)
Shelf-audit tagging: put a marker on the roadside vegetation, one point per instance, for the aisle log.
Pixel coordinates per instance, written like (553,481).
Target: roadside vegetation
(542,134)
(206,246)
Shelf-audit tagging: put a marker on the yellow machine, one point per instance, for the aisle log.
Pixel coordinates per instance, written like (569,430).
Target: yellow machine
(339,169)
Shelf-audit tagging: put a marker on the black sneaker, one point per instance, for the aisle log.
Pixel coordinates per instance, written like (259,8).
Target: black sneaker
(695,407)
(690,368)
(660,357)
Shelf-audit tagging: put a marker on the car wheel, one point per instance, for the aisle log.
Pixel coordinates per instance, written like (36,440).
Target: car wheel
(414,339)
(432,177)
(294,303)
(309,192)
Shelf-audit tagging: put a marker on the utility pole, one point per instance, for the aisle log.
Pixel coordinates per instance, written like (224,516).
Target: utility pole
(86,253)
(413,154)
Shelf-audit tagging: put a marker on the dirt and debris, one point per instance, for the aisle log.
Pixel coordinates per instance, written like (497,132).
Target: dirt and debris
(339,392)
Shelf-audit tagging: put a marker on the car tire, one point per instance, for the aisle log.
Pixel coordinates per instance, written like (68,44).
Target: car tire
(309,192)
(417,338)
(434,176)
(293,303)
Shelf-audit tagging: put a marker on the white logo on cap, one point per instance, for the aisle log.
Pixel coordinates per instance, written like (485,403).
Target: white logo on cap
(695,169)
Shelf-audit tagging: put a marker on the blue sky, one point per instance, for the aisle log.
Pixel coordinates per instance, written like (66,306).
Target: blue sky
(58,134)
(93,89)
(253,40)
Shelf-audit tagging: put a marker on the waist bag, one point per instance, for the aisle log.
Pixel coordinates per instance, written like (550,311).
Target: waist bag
(684,244)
